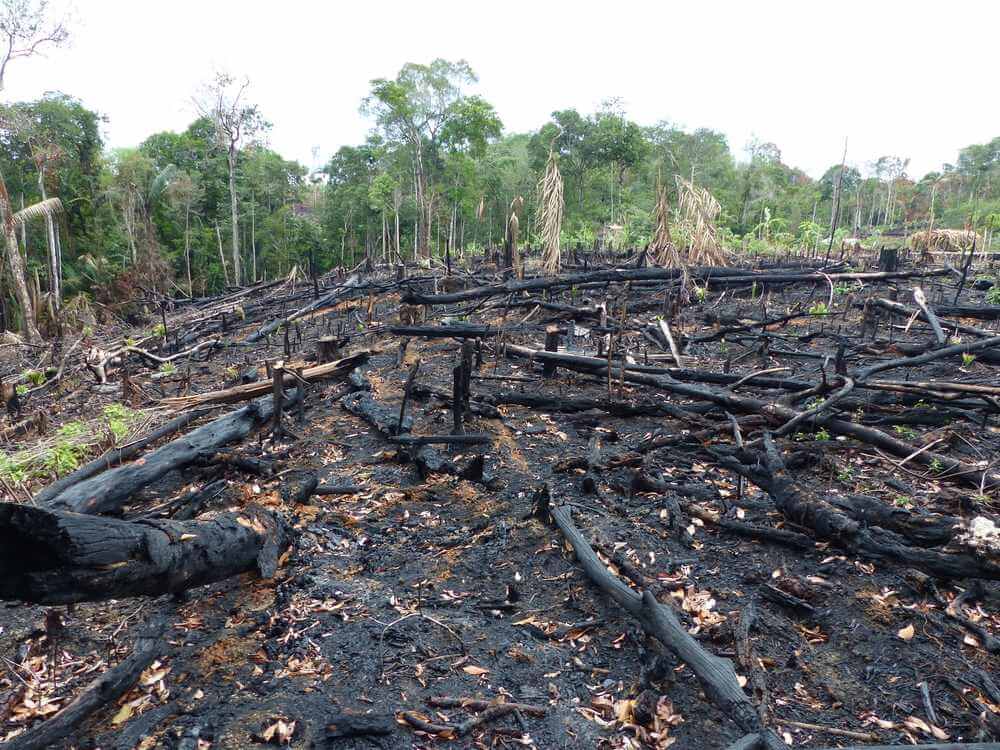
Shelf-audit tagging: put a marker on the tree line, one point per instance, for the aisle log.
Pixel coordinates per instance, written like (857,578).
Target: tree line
(189,214)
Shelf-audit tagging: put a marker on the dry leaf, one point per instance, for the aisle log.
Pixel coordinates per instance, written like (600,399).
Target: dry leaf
(906,633)
(123,715)
(474,670)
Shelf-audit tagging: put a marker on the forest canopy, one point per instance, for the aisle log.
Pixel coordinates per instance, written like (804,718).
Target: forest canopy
(187,214)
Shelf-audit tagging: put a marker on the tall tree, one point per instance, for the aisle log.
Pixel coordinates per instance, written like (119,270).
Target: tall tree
(423,108)
(235,121)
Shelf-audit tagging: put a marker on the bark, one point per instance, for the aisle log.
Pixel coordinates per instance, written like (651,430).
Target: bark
(234,212)
(55,557)
(445,331)
(108,492)
(16,264)
(113,457)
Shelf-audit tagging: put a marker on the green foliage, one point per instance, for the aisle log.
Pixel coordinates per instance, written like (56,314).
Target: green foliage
(846,475)
(437,167)
(35,377)
(13,468)
(993,295)
(908,433)
(65,454)
(119,419)
(822,434)
(819,308)
(968,359)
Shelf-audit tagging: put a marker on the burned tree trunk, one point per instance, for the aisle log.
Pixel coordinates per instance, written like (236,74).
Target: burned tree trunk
(104,690)
(54,557)
(108,492)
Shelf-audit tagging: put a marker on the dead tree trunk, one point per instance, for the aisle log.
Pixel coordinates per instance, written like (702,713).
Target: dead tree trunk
(54,557)
(104,690)
(108,492)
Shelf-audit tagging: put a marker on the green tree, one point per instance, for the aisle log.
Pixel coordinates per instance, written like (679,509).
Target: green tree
(425,109)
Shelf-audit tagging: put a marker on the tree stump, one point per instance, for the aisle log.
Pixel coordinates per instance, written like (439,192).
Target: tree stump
(328,349)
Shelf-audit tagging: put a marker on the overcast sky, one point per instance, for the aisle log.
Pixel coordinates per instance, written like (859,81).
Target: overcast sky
(915,79)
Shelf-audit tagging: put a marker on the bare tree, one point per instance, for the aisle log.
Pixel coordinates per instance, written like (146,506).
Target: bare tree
(235,121)
(25,29)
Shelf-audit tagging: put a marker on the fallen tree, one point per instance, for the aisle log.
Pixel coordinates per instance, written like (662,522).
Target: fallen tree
(108,492)
(944,466)
(838,522)
(349,285)
(107,688)
(55,557)
(710,275)
(716,675)
(247,391)
(114,457)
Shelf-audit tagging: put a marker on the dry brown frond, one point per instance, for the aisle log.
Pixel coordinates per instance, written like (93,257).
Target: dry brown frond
(698,211)
(48,207)
(945,240)
(662,249)
(550,199)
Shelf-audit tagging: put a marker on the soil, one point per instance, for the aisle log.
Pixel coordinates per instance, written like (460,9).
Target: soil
(414,588)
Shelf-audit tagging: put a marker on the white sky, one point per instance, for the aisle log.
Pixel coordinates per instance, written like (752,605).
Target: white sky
(915,79)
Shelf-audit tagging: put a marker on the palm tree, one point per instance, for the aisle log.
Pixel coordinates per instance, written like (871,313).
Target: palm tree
(11,221)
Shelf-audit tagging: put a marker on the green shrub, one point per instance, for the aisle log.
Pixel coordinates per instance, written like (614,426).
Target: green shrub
(119,419)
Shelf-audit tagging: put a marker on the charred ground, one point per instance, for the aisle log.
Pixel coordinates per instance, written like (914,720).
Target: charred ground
(413,572)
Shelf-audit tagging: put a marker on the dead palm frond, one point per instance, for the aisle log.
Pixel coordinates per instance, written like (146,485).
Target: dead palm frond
(662,249)
(698,212)
(550,198)
(945,240)
(48,207)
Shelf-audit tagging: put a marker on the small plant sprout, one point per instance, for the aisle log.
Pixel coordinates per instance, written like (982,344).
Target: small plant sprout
(936,466)
(902,501)
(119,419)
(906,432)
(168,368)
(993,295)
(819,308)
(159,330)
(822,434)
(968,359)
(700,293)
(35,377)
